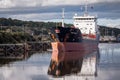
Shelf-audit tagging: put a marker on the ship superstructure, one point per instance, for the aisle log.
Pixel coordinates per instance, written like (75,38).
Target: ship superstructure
(87,24)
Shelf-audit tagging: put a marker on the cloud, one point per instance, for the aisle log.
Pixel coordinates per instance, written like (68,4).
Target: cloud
(6,3)
(51,9)
(108,10)
(19,3)
(109,22)
(36,3)
(70,2)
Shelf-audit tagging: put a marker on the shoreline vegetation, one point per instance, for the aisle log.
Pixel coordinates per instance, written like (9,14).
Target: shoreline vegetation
(14,38)
(13,31)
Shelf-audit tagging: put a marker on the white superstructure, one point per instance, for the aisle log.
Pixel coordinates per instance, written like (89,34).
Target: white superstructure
(87,24)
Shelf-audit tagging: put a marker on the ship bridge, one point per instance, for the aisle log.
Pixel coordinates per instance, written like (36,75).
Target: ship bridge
(87,24)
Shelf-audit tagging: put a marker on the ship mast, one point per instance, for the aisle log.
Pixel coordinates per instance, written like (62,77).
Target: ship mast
(63,17)
(86,9)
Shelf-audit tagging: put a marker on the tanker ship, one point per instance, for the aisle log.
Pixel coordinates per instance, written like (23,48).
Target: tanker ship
(71,44)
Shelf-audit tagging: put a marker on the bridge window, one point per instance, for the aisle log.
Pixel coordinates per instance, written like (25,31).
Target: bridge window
(90,28)
(84,19)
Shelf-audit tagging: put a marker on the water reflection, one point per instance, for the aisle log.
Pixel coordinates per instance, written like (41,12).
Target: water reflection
(103,66)
(84,66)
(109,54)
(5,60)
(109,65)
(33,67)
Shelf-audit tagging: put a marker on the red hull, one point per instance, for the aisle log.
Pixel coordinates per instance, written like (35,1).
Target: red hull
(71,51)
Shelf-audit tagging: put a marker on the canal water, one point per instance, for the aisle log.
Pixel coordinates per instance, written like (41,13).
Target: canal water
(100,65)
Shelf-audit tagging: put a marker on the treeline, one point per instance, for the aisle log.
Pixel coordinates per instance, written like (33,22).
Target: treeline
(6,38)
(14,31)
(15,22)
(109,31)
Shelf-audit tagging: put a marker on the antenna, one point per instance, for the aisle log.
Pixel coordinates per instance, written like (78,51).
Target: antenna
(86,8)
(63,17)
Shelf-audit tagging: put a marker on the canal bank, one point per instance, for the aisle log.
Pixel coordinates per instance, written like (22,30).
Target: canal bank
(19,51)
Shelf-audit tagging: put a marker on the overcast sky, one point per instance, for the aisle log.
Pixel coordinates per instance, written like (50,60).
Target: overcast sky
(108,11)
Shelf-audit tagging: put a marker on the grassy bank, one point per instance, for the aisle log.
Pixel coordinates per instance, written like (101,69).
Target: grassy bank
(14,37)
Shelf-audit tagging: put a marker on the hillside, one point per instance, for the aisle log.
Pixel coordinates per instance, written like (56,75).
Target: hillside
(15,22)
(7,38)
(17,31)
(104,30)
